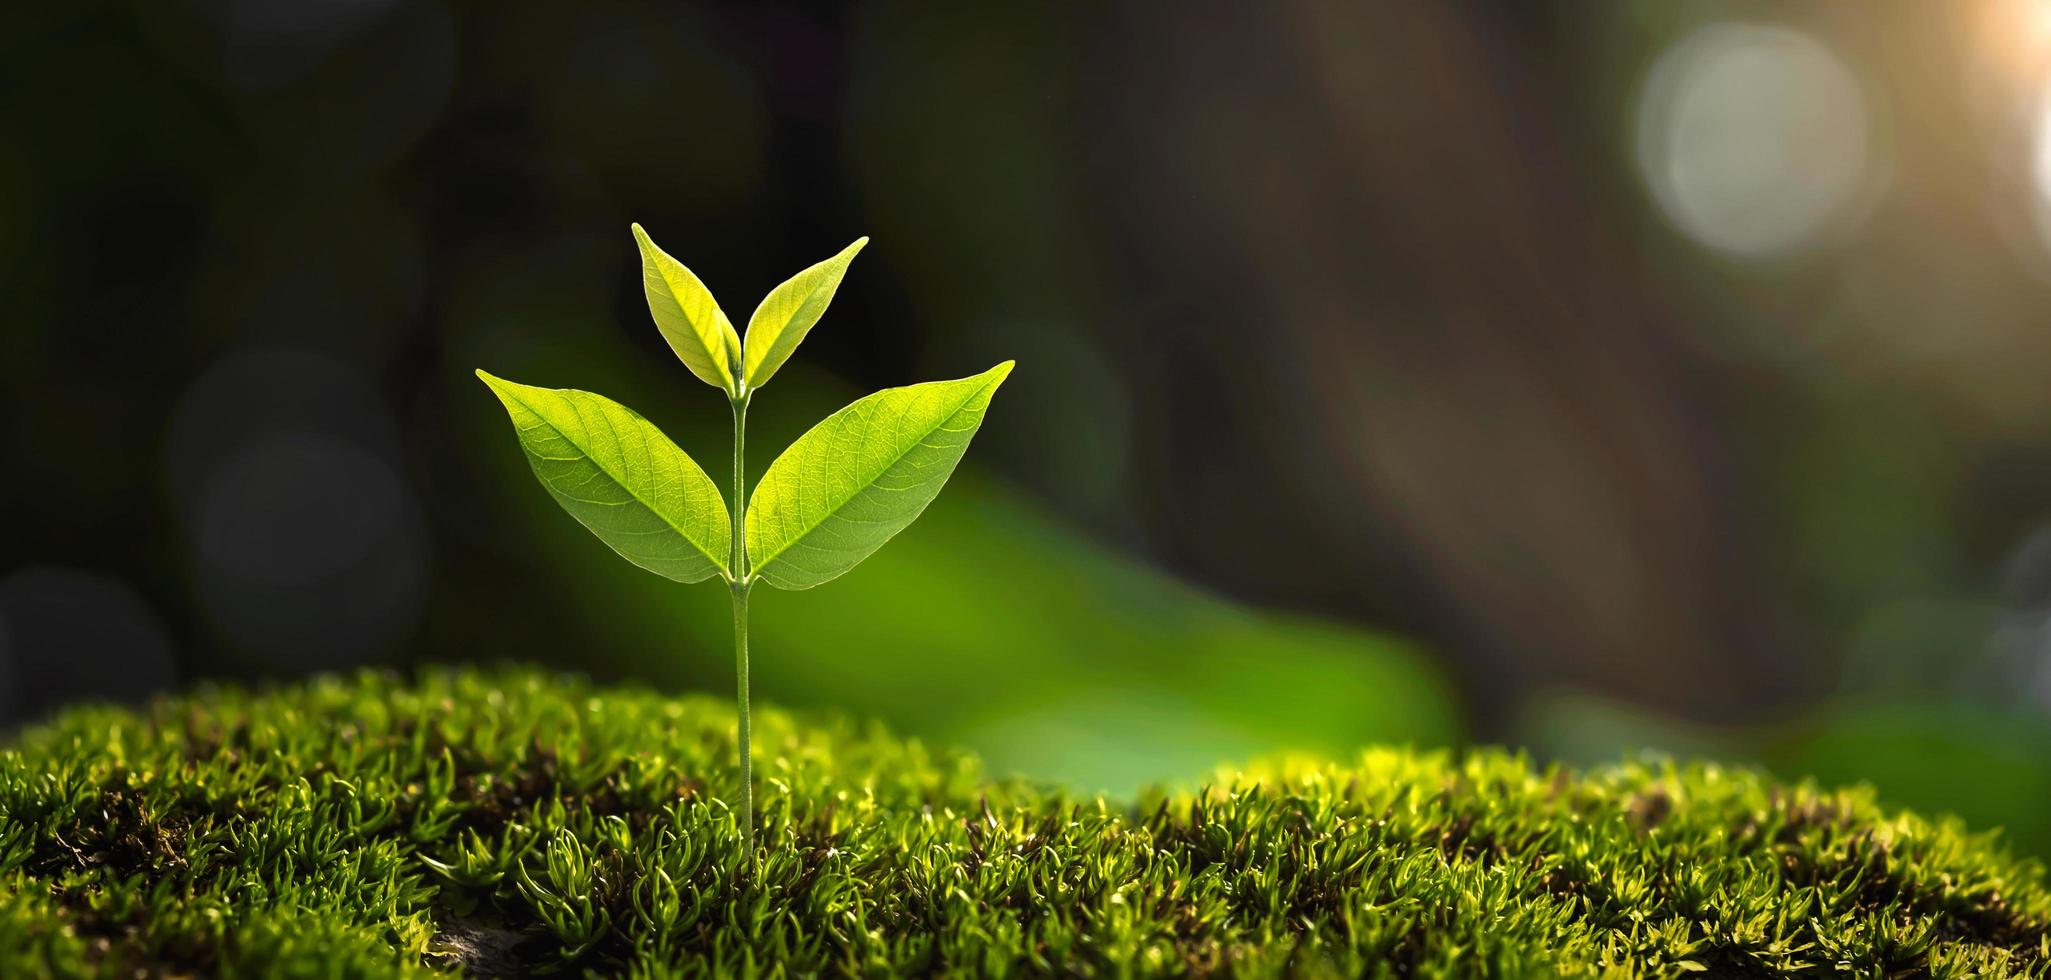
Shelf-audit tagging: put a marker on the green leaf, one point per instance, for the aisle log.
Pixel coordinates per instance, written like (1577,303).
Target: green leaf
(689,318)
(859,477)
(618,475)
(788,313)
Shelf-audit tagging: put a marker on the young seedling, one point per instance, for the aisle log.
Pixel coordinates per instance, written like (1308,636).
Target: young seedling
(833,498)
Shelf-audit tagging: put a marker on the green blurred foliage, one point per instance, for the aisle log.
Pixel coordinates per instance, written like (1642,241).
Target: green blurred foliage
(991,624)
(1986,766)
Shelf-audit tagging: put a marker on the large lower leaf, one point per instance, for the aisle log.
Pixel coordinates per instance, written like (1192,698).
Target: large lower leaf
(859,477)
(618,475)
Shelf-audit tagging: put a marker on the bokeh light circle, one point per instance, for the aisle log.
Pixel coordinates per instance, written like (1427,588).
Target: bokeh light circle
(308,546)
(2025,633)
(294,510)
(72,634)
(1754,140)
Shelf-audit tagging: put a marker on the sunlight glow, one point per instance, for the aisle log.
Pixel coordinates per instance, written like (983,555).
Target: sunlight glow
(2040,164)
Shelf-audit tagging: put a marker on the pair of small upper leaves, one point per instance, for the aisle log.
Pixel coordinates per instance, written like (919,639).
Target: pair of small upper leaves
(698,330)
(833,498)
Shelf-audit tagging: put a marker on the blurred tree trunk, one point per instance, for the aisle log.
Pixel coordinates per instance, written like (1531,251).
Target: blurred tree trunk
(1388,258)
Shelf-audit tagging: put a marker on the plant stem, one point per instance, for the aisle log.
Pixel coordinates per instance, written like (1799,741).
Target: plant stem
(738,560)
(741,700)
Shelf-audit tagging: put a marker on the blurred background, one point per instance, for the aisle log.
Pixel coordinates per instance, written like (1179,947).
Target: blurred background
(1589,378)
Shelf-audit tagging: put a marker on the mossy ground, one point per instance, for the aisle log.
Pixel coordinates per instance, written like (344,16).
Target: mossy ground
(512,822)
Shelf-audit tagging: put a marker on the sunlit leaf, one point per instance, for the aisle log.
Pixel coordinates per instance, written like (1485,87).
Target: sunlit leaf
(859,477)
(788,313)
(689,318)
(618,475)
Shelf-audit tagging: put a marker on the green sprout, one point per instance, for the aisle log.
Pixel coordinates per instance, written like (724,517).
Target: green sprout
(833,498)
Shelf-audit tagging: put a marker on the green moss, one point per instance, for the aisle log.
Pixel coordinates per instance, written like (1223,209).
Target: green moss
(511,822)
